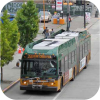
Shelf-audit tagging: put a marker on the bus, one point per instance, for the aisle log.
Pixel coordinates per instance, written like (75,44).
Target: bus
(49,64)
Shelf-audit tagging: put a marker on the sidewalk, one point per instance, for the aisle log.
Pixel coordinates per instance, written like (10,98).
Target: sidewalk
(77,24)
(12,73)
(56,27)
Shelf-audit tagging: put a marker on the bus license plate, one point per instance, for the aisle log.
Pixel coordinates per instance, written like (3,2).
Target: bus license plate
(37,86)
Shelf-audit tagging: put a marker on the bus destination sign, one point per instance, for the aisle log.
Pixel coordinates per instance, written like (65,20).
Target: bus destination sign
(38,56)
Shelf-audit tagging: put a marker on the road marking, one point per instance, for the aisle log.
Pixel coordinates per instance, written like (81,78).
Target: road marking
(58,94)
(11,85)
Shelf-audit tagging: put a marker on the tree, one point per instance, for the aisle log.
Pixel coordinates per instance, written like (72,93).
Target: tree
(9,40)
(27,19)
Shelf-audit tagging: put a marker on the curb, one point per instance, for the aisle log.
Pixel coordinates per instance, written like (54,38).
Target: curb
(12,84)
(93,24)
(87,28)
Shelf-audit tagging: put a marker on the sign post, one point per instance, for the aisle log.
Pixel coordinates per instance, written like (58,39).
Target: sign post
(44,13)
(68,16)
(84,16)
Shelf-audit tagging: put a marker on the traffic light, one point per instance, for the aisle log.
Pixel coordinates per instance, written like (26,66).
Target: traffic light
(78,2)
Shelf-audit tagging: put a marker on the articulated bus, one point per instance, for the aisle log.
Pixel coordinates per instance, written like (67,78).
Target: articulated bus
(49,64)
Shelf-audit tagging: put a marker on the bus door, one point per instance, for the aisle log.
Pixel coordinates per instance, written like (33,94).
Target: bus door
(64,69)
(66,74)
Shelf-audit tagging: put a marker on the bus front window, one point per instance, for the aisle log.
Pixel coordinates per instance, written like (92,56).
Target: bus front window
(39,68)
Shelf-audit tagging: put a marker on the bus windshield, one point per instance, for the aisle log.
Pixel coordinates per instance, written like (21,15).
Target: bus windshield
(39,68)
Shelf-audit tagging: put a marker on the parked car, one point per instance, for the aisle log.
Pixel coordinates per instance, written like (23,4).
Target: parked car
(48,16)
(11,18)
(1,14)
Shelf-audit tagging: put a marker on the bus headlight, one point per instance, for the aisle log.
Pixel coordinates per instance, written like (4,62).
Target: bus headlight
(52,83)
(24,82)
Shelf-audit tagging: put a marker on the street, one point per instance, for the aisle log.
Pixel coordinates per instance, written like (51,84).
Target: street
(85,85)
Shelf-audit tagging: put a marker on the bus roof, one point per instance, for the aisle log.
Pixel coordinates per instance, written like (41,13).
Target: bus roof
(50,43)
(67,35)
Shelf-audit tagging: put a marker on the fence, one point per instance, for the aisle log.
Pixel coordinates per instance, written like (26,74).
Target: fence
(12,7)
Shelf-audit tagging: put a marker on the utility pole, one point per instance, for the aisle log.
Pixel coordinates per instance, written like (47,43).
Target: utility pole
(55,5)
(84,16)
(44,13)
(67,16)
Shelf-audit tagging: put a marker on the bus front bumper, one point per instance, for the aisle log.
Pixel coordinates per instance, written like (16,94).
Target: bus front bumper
(39,88)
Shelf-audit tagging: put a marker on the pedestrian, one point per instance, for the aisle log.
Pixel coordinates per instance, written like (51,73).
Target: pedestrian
(44,30)
(52,32)
(69,20)
(47,33)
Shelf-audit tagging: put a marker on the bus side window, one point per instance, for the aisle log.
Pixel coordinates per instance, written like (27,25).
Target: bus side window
(86,47)
(70,60)
(73,57)
(81,52)
(66,63)
(59,65)
(62,65)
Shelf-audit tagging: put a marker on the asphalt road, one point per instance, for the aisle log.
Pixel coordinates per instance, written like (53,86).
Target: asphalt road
(85,85)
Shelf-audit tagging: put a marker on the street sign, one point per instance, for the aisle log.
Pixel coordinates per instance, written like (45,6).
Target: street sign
(87,17)
(59,5)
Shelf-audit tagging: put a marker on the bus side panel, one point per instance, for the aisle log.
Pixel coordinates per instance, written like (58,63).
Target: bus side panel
(77,57)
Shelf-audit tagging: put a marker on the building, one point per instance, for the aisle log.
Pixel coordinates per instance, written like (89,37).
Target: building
(47,1)
(36,1)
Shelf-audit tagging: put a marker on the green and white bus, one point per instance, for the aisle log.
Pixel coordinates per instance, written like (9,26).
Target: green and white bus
(49,64)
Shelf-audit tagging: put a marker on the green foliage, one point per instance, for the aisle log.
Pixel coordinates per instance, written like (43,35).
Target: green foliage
(9,39)
(27,19)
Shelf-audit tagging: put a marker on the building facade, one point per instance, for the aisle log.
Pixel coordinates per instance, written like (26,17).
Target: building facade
(47,1)
(36,1)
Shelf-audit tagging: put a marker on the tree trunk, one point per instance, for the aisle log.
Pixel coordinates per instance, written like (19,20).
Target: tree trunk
(1,74)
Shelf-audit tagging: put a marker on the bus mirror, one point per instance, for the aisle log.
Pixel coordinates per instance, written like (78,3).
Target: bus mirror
(60,73)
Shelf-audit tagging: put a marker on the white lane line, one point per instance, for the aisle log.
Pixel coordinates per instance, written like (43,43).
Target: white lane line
(58,94)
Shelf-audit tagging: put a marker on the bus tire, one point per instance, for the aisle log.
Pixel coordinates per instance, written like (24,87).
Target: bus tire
(61,85)
(85,66)
(73,75)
